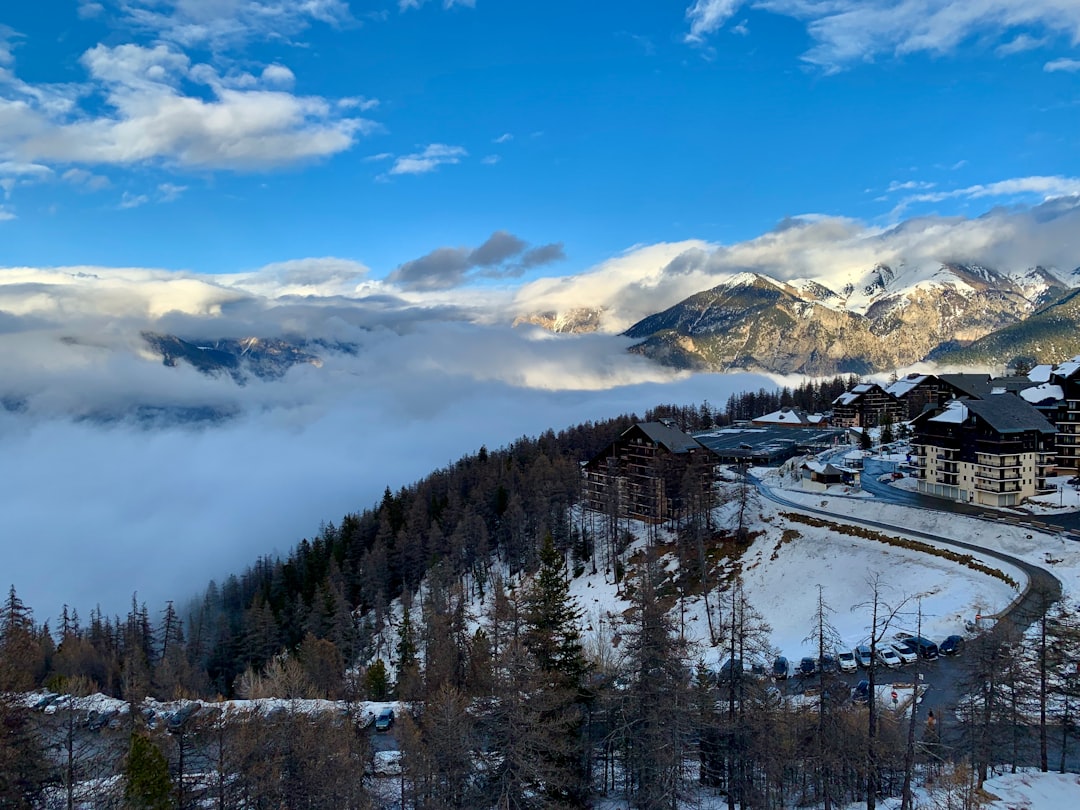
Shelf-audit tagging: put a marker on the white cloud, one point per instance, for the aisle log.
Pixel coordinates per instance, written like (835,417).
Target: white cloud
(405,5)
(278,75)
(221,24)
(708,16)
(168,192)
(909,185)
(432,157)
(6,214)
(129,200)
(1062,65)
(150,119)
(506,137)
(85,180)
(89,10)
(1020,44)
(1043,187)
(490,160)
(851,31)
(358,103)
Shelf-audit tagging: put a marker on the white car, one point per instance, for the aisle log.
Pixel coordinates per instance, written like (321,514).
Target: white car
(888,657)
(907,655)
(846,660)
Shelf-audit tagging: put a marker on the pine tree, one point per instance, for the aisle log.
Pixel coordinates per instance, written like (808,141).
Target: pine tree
(553,618)
(146,776)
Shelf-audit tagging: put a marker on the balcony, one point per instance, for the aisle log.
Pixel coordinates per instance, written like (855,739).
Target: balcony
(991,460)
(948,467)
(949,479)
(983,475)
(999,447)
(997,487)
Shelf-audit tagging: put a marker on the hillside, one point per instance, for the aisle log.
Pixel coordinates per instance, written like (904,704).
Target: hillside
(891,320)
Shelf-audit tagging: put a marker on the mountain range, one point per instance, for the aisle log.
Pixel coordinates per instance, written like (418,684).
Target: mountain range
(886,318)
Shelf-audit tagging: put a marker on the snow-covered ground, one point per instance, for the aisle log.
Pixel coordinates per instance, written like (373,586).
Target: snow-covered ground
(1032,790)
(783,569)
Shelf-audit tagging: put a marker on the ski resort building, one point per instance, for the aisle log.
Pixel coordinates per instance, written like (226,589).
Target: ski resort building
(995,451)
(866,405)
(643,474)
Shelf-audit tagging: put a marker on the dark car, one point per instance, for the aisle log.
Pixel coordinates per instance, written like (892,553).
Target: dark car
(781,668)
(924,647)
(951,646)
(731,668)
(807,666)
(385,720)
(861,692)
(827,663)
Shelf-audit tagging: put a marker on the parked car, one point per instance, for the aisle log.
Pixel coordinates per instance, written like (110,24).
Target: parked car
(827,663)
(951,645)
(861,692)
(888,657)
(807,666)
(385,720)
(862,655)
(781,668)
(924,647)
(905,651)
(847,661)
(731,668)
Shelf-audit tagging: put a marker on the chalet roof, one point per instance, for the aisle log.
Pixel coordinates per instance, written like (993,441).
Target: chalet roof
(1008,414)
(905,385)
(955,412)
(789,416)
(1041,373)
(1069,368)
(856,393)
(1047,392)
(975,386)
(670,438)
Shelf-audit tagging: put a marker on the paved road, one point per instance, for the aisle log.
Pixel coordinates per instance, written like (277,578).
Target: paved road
(1043,588)
(874,468)
(944,676)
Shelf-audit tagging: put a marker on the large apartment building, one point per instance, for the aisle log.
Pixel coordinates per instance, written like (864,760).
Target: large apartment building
(644,473)
(995,451)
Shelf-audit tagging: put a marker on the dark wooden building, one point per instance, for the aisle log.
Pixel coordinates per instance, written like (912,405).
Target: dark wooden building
(643,474)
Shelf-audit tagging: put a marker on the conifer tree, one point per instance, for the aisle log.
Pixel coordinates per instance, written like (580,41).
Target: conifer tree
(146,776)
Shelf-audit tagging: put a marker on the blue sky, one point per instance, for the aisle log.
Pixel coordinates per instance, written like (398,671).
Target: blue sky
(225,135)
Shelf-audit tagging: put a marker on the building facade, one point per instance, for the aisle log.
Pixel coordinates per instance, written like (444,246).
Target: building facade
(994,452)
(644,473)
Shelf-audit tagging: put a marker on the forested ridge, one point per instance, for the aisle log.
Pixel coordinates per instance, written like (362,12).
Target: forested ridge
(452,595)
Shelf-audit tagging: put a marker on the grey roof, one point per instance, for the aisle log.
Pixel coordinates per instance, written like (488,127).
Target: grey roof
(672,438)
(976,386)
(1009,414)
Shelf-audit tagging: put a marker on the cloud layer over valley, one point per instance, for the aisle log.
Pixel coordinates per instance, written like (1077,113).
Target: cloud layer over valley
(126,474)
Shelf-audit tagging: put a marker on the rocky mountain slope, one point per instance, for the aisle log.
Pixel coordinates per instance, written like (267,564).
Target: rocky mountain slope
(267,359)
(886,319)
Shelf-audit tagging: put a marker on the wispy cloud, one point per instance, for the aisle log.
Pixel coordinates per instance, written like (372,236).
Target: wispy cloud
(1039,186)
(428,160)
(847,32)
(84,180)
(506,137)
(230,23)
(490,160)
(708,16)
(129,200)
(168,192)
(405,5)
(1062,65)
